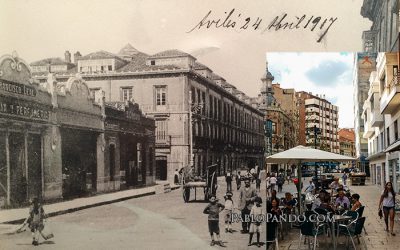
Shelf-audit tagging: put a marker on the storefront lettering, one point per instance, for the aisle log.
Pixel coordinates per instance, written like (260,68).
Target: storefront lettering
(17,88)
(24,111)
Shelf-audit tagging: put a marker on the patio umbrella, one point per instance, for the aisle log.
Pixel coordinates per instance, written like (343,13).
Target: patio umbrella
(301,154)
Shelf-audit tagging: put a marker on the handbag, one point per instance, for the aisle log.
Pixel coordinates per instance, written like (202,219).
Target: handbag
(380,213)
(46,231)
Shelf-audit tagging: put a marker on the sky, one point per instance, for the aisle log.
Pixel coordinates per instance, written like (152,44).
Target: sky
(38,29)
(329,74)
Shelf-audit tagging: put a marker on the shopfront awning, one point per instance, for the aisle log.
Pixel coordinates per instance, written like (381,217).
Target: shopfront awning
(394,147)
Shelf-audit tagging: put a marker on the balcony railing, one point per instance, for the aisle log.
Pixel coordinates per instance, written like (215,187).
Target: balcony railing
(390,100)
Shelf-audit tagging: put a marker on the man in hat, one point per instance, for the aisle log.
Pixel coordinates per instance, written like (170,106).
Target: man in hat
(246,199)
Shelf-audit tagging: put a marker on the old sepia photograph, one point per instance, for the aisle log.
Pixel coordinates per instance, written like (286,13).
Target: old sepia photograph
(184,124)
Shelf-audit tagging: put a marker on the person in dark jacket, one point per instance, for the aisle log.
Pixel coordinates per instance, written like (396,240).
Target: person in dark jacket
(228,179)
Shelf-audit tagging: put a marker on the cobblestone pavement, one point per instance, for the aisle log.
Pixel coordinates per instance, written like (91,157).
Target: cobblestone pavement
(374,238)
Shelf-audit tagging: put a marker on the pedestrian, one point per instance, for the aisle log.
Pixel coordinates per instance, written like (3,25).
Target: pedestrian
(246,199)
(238,180)
(248,176)
(310,188)
(213,209)
(256,215)
(258,170)
(176,177)
(268,184)
(387,204)
(228,210)
(272,182)
(253,174)
(228,179)
(258,184)
(35,220)
(344,178)
(280,182)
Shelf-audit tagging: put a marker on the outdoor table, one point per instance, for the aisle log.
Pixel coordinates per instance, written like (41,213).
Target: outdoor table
(336,219)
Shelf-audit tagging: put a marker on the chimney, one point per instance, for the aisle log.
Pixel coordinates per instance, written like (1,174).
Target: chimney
(77,56)
(67,56)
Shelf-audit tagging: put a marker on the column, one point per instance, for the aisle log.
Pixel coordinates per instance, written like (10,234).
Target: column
(8,202)
(100,148)
(52,163)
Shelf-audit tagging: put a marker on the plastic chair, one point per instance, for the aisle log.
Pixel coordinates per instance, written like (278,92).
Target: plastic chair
(272,234)
(351,232)
(360,212)
(308,228)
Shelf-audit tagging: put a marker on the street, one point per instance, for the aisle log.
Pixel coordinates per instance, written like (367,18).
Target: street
(161,221)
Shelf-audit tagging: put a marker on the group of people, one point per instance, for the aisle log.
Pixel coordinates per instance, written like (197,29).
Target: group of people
(251,211)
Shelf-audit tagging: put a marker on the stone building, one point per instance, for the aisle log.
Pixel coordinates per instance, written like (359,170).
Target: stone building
(183,96)
(384,32)
(53,138)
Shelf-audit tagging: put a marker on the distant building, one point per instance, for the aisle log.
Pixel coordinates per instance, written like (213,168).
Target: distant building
(364,64)
(384,32)
(347,144)
(200,118)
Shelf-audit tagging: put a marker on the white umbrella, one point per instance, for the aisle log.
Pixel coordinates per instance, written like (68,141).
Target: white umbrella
(301,154)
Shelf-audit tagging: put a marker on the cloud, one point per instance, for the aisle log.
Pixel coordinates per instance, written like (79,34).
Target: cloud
(327,73)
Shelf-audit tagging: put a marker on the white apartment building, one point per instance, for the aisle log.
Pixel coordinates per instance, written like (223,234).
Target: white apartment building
(381,113)
(324,116)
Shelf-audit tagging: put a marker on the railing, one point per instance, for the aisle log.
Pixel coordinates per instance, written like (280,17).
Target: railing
(394,82)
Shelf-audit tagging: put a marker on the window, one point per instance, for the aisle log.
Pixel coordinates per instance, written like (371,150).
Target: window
(388,136)
(161,96)
(396,131)
(93,92)
(161,130)
(109,67)
(152,62)
(126,94)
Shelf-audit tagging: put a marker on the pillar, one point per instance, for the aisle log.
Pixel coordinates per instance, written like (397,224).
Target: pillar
(100,149)
(52,163)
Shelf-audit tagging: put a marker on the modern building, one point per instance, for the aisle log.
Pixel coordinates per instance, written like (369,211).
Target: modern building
(382,117)
(56,141)
(200,118)
(384,32)
(347,144)
(364,64)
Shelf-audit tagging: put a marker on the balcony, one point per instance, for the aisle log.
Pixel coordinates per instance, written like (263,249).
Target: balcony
(368,130)
(376,118)
(390,100)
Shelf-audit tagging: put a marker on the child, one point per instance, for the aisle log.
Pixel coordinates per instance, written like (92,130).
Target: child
(213,209)
(229,206)
(256,215)
(35,220)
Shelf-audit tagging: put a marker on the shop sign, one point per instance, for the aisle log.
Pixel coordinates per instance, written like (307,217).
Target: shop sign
(24,109)
(17,88)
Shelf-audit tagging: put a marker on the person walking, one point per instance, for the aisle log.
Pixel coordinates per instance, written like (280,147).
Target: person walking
(228,179)
(272,182)
(246,198)
(280,181)
(213,209)
(387,204)
(344,179)
(238,180)
(268,184)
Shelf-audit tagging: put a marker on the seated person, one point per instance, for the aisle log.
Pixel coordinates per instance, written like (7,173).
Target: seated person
(356,202)
(273,196)
(326,203)
(342,201)
(289,203)
(310,187)
(335,184)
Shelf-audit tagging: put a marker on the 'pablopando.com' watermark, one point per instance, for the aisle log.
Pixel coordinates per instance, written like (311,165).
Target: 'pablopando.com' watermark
(315,218)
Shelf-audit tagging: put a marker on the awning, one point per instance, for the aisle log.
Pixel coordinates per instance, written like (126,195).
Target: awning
(394,147)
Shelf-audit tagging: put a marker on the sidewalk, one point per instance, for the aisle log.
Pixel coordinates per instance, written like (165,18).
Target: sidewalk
(19,214)
(376,237)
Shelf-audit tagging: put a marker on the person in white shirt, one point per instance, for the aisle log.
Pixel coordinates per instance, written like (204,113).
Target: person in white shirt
(387,204)
(272,182)
(310,187)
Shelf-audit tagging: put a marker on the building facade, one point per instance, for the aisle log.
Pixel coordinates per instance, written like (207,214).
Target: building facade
(364,64)
(384,32)
(347,144)
(52,138)
(382,117)
(200,118)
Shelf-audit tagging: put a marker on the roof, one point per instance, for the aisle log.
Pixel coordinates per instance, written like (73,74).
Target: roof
(171,53)
(138,63)
(128,50)
(200,66)
(216,77)
(100,55)
(51,61)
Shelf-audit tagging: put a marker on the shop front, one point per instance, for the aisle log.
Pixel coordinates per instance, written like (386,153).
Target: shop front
(25,115)
(130,146)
